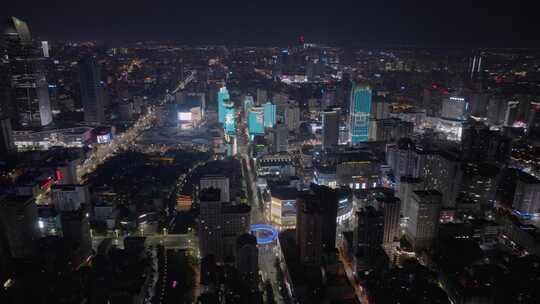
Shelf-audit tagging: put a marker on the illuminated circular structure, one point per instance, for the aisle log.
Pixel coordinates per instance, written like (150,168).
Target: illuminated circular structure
(264,233)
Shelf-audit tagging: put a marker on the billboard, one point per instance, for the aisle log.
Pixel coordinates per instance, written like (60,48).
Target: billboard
(184,116)
(104,138)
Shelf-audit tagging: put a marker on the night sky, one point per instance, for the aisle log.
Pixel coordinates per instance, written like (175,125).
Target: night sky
(472,23)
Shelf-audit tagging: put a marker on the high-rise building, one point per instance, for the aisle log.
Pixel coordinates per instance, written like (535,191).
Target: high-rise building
(6,136)
(330,128)
(76,232)
(391,209)
(92,91)
(280,138)
(29,86)
(256,121)
(443,172)
(220,224)
(248,103)
(403,159)
(269,115)
(359,112)
(423,225)
(292,117)
(223,95)
(316,223)
(229,122)
(367,236)
(247,256)
(218,182)
(45,49)
(407,186)
(18,224)
(262,97)
(527,195)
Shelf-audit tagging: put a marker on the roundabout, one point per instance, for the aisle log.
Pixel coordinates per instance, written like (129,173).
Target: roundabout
(264,233)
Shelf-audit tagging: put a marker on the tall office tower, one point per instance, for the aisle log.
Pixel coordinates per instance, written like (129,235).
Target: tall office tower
(359,112)
(18,224)
(76,232)
(292,117)
(45,49)
(6,110)
(330,121)
(475,66)
(316,223)
(402,158)
(407,185)
(29,86)
(223,95)
(280,138)
(229,122)
(443,172)
(248,104)
(210,234)
(527,195)
(218,182)
(391,209)
(281,101)
(220,224)
(269,115)
(367,236)
(479,183)
(256,121)
(6,136)
(92,91)
(262,97)
(247,257)
(423,224)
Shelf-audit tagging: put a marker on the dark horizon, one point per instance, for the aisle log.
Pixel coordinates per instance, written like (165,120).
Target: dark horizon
(459,24)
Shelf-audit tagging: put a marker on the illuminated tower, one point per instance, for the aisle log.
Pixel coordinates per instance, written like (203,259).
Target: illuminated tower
(28,83)
(229,121)
(360,107)
(256,121)
(223,95)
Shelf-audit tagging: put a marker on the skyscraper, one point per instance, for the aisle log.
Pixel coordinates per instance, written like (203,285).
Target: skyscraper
(280,138)
(29,86)
(220,224)
(367,236)
(292,117)
(316,223)
(223,95)
(330,129)
(229,122)
(359,111)
(92,91)
(423,225)
(269,115)
(18,224)
(256,121)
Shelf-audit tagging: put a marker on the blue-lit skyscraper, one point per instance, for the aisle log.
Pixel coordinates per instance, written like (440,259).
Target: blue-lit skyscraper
(359,110)
(229,123)
(269,115)
(256,121)
(223,95)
